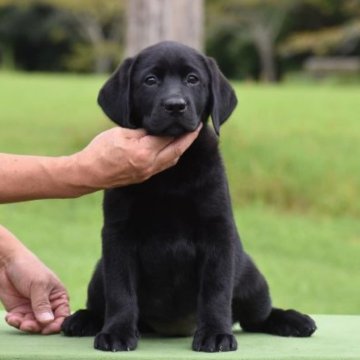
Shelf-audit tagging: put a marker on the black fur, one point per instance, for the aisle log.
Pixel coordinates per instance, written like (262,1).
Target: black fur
(172,258)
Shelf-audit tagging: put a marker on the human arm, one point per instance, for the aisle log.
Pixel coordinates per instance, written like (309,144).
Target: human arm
(116,157)
(33,296)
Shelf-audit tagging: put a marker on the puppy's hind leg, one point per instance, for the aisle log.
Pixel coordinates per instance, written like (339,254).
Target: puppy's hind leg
(252,307)
(88,322)
(284,323)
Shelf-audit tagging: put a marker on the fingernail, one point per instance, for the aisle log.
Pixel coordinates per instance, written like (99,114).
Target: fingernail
(44,317)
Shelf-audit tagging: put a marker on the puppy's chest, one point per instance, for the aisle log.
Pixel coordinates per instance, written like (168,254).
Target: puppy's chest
(163,218)
(164,226)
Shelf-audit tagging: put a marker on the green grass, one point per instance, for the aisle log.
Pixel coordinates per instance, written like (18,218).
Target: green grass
(311,263)
(296,148)
(292,158)
(46,114)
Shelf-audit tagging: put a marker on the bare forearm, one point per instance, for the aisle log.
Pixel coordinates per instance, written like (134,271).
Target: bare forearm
(9,246)
(116,157)
(36,177)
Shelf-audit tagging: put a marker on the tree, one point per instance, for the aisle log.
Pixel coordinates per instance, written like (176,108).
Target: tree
(35,36)
(260,21)
(100,23)
(151,21)
(96,25)
(339,36)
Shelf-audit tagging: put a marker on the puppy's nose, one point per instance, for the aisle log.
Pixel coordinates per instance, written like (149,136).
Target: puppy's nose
(175,105)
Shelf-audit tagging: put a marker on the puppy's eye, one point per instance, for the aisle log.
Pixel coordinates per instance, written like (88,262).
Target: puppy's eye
(192,79)
(151,80)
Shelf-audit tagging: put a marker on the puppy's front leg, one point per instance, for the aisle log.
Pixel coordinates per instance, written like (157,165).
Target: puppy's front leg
(214,322)
(119,332)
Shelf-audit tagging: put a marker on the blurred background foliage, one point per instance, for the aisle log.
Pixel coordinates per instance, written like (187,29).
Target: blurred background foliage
(251,39)
(61,35)
(260,39)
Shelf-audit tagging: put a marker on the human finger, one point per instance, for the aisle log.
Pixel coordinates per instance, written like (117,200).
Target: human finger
(184,142)
(60,306)
(171,153)
(14,319)
(54,327)
(40,304)
(61,309)
(30,325)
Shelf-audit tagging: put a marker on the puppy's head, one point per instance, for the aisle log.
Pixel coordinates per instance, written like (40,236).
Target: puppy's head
(168,89)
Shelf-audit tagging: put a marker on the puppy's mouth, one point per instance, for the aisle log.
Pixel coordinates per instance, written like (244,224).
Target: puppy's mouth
(175,129)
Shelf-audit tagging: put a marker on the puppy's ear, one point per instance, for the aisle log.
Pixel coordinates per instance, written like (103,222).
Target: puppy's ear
(114,96)
(223,98)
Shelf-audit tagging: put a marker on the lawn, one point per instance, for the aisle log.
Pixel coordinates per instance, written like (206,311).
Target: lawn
(292,155)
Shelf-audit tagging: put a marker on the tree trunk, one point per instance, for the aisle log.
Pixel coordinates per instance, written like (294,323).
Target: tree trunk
(93,31)
(7,57)
(151,21)
(103,63)
(264,42)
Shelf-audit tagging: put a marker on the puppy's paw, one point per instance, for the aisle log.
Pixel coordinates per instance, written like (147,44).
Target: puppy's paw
(115,342)
(81,323)
(290,323)
(285,323)
(213,342)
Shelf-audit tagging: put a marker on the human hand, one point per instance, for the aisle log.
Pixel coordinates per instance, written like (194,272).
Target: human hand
(33,296)
(119,157)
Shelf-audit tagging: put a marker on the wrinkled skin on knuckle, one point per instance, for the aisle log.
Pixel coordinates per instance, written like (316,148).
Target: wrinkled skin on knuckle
(42,283)
(41,304)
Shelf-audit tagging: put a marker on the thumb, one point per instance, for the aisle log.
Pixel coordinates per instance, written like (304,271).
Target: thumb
(40,303)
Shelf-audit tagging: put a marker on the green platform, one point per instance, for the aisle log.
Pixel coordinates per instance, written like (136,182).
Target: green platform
(338,337)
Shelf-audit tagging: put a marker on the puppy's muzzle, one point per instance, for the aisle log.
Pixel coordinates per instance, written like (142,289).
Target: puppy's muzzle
(173,116)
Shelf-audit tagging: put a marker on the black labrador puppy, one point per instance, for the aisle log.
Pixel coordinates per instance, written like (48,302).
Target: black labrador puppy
(172,259)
